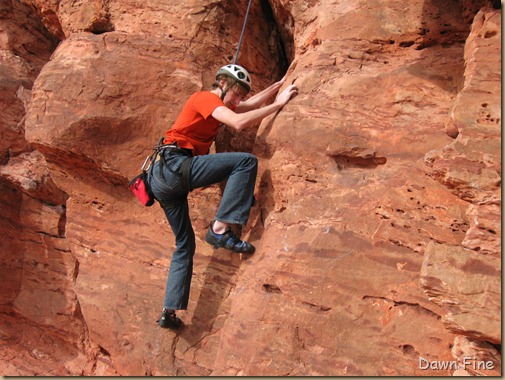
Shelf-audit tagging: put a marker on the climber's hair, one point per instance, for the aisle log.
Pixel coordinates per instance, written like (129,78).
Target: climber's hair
(238,87)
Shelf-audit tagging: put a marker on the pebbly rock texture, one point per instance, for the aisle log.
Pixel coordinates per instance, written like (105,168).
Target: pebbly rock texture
(470,167)
(378,204)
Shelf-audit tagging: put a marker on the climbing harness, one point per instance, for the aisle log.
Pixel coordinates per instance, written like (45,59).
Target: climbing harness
(139,185)
(243,31)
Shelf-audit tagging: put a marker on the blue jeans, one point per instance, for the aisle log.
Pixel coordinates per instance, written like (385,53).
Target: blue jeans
(168,187)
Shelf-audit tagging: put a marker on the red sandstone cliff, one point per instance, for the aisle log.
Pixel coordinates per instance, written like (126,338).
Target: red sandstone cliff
(377,223)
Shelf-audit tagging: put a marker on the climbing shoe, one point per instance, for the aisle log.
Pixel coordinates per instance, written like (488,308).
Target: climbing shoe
(228,240)
(169,320)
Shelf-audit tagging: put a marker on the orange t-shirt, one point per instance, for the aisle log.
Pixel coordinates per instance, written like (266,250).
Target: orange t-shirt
(195,128)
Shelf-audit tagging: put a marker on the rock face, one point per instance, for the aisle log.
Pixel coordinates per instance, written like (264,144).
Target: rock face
(377,221)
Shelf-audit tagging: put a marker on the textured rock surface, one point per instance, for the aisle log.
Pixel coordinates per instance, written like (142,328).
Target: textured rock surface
(377,222)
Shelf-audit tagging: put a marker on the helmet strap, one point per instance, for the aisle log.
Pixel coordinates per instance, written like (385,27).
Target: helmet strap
(223,92)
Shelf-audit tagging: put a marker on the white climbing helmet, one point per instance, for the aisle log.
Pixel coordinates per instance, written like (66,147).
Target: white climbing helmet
(238,73)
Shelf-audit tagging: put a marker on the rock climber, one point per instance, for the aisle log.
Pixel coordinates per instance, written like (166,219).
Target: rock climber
(186,165)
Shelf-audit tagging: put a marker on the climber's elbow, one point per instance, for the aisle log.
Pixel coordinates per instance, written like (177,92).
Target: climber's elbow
(230,118)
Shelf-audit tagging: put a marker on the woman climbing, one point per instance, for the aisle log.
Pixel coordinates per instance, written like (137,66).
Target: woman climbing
(186,165)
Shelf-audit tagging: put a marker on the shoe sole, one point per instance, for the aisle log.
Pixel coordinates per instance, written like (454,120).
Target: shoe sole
(172,327)
(228,249)
(169,325)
